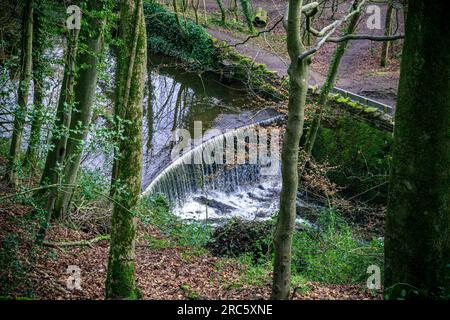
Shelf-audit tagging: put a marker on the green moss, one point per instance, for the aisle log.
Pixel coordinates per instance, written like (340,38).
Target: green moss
(256,76)
(195,46)
(361,154)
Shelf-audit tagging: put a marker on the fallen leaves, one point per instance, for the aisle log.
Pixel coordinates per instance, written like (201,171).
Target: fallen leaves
(161,272)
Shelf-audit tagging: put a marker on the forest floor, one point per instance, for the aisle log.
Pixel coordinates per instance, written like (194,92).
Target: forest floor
(359,72)
(164,270)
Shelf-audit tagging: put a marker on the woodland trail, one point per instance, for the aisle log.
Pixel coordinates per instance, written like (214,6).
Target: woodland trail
(357,73)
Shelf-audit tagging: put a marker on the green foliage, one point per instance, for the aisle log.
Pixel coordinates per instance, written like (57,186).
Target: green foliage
(193,46)
(329,253)
(255,76)
(155,211)
(332,254)
(255,273)
(91,185)
(361,155)
(12,272)
(18,252)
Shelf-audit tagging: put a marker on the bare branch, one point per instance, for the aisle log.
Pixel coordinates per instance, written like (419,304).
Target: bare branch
(366,37)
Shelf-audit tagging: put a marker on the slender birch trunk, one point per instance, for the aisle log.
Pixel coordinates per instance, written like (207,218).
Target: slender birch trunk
(298,85)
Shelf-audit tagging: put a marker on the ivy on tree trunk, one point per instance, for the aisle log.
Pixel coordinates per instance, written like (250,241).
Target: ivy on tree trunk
(132,58)
(91,40)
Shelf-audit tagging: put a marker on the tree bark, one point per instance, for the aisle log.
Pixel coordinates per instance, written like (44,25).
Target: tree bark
(91,37)
(248,15)
(55,157)
(298,85)
(222,11)
(132,58)
(329,85)
(22,99)
(39,43)
(417,243)
(387,32)
(150,114)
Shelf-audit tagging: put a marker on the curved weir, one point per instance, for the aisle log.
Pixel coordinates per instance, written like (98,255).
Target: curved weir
(211,174)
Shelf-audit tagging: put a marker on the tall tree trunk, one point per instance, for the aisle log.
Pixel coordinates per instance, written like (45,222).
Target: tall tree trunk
(150,114)
(91,37)
(329,85)
(22,99)
(298,85)
(39,44)
(53,164)
(417,243)
(247,14)
(132,58)
(387,32)
(55,157)
(223,13)
(177,18)
(195,5)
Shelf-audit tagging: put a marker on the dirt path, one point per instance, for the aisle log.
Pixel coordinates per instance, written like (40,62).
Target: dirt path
(359,71)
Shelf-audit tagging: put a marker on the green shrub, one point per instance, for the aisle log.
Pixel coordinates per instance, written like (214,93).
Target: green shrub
(333,254)
(361,155)
(164,37)
(237,237)
(91,185)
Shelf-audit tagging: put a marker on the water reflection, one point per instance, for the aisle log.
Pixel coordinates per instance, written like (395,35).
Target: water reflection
(175,99)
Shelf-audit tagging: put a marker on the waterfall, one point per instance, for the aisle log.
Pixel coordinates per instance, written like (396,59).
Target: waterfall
(206,167)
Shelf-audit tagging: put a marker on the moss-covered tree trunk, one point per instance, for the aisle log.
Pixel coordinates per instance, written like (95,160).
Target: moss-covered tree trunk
(39,43)
(329,84)
(298,85)
(245,4)
(417,242)
(91,42)
(132,58)
(177,18)
(223,13)
(22,95)
(54,163)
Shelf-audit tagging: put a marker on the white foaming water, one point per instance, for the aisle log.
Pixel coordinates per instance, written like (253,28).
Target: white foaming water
(257,202)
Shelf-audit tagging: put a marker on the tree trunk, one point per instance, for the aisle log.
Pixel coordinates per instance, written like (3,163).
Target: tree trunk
(84,91)
(132,58)
(53,164)
(222,11)
(22,96)
(298,85)
(195,6)
(247,14)
(387,32)
(150,114)
(417,243)
(39,43)
(329,85)
(63,112)
(177,18)
(55,157)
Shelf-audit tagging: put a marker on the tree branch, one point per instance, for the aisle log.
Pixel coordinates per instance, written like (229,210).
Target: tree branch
(366,37)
